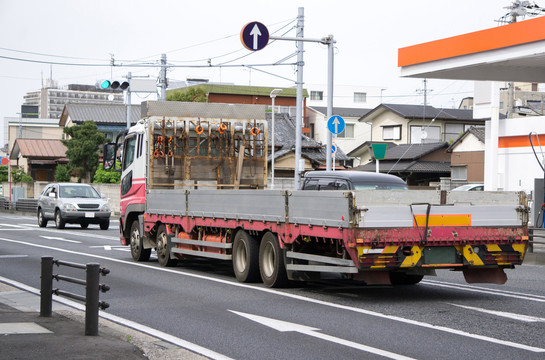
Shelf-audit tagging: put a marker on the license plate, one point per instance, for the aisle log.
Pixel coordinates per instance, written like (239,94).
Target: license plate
(89,214)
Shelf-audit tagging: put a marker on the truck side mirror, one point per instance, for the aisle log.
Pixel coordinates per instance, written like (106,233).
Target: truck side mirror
(108,157)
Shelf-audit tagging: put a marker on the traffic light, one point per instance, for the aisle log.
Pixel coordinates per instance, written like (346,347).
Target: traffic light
(114,85)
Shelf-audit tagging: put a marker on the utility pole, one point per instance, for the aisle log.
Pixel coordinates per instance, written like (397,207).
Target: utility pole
(128,108)
(299,107)
(163,78)
(330,57)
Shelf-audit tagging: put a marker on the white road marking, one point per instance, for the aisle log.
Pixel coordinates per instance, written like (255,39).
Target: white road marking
(11,225)
(298,297)
(508,315)
(497,292)
(284,326)
(60,239)
(127,323)
(12,256)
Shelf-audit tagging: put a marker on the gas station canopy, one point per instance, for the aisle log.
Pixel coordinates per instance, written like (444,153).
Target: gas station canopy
(513,52)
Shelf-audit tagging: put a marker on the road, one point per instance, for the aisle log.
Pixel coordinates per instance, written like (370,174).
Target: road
(200,302)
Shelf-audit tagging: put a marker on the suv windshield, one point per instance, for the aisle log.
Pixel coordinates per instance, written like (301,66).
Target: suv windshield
(69,191)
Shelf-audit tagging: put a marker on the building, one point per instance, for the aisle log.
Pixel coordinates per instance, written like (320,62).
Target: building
(419,165)
(355,132)
(345,96)
(467,157)
(50,99)
(38,157)
(414,124)
(30,128)
(111,119)
(513,160)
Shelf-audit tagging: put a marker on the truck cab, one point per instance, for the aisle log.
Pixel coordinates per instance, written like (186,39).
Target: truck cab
(351,180)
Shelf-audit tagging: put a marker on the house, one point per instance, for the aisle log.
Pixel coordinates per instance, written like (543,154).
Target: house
(38,157)
(285,101)
(111,119)
(313,153)
(467,157)
(421,164)
(354,132)
(414,124)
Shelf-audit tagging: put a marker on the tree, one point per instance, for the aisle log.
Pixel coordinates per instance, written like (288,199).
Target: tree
(3,173)
(19,175)
(191,94)
(83,146)
(62,174)
(108,176)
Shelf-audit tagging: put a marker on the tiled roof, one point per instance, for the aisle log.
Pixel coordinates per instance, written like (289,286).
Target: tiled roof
(426,112)
(111,114)
(284,141)
(342,111)
(407,165)
(39,148)
(412,151)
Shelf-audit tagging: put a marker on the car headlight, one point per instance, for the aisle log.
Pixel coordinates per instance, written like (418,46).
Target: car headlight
(105,208)
(68,207)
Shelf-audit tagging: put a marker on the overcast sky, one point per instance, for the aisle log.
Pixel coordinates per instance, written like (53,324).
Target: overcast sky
(368,35)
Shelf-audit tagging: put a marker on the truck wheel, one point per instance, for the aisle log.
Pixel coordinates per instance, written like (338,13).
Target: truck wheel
(42,222)
(59,222)
(163,247)
(271,262)
(137,244)
(245,257)
(401,278)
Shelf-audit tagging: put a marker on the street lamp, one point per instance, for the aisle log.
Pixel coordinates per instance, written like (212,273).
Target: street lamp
(273,96)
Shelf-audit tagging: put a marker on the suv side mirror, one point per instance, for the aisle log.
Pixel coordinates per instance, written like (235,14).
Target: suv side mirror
(52,195)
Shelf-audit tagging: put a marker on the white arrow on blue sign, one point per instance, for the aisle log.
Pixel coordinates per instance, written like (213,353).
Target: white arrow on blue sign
(336,124)
(254,36)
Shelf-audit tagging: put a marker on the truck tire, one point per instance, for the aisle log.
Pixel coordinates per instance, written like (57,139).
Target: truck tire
(245,257)
(138,252)
(401,278)
(163,248)
(271,262)
(42,222)
(59,222)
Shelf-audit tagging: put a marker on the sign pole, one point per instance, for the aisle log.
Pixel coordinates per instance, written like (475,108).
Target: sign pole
(299,105)
(330,49)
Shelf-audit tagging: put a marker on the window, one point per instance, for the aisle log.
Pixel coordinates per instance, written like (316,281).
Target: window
(391,132)
(316,95)
(128,151)
(360,97)
(453,131)
(348,131)
(427,134)
(458,172)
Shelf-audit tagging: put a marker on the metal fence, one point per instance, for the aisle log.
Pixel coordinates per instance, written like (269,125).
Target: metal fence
(91,284)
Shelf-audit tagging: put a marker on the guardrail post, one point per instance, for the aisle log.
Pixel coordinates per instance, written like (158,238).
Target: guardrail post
(91,301)
(46,288)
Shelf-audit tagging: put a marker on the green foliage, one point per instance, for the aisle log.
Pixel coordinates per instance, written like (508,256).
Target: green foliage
(62,174)
(191,94)
(83,146)
(3,173)
(108,176)
(19,175)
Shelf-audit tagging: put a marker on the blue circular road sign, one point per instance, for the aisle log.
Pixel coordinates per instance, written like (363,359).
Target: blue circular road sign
(254,36)
(336,124)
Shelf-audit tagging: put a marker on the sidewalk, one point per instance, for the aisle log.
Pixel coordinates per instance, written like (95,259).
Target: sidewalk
(26,335)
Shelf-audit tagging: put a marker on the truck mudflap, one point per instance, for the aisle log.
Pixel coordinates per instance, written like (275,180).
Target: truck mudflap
(456,256)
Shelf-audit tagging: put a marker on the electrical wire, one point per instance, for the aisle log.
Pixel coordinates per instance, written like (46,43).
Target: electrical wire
(535,154)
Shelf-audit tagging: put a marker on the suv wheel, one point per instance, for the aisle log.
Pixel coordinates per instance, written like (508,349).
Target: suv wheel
(59,222)
(42,222)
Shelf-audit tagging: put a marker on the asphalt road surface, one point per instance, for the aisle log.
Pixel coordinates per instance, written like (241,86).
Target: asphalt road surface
(200,302)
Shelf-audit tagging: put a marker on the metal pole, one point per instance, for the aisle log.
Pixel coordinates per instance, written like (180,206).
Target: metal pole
(163,78)
(299,107)
(129,76)
(272,143)
(46,286)
(91,299)
(329,99)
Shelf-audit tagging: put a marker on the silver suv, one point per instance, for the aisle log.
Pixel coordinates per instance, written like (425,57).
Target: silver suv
(74,204)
